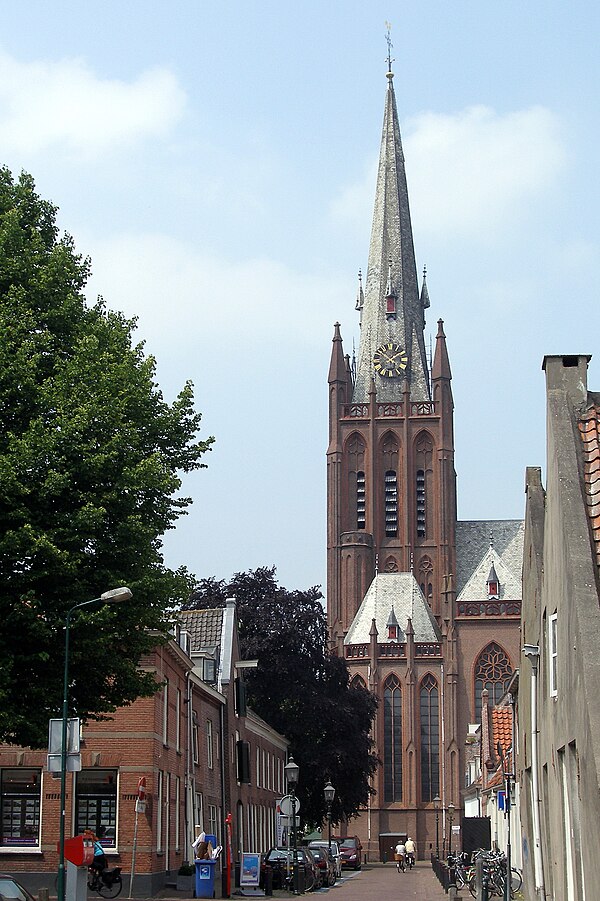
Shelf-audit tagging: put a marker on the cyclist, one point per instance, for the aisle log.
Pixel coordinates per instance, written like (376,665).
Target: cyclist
(410,852)
(99,863)
(399,855)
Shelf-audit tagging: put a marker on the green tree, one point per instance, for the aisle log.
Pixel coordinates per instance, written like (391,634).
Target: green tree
(300,689)
(90,463)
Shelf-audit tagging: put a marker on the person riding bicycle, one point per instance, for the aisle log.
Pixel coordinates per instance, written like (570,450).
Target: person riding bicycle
(410,852)
(399,855)
(99,864)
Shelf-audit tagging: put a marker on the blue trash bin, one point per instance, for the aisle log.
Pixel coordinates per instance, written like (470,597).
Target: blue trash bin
(205,878)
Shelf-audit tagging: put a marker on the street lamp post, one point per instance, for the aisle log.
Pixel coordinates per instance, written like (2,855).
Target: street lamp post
(329,792)
(113,596)
(450,821)
(436,806)
(292,771)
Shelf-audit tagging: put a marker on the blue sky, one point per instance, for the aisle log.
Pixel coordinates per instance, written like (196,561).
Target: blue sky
(217,163)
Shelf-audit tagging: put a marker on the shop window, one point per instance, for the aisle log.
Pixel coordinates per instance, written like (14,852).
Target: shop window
(96,803)
(20,807)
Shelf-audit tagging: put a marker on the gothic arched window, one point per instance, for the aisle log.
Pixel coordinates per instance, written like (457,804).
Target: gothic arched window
(389,450)
(356,482)
(492,671)
(392,740)
(424,486)
(358,682)
(430,738)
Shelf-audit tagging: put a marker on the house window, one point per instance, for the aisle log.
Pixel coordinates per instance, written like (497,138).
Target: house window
(360,500)
(177,813)
(195,737)
(243,761)
(213,822)
(392,740)
(430,739)
(96,803)
(391,504)
(553,654)
(258,767)
(199,810)
(165,712)
(178,720)
(20,791)
(209,744)
(493,672)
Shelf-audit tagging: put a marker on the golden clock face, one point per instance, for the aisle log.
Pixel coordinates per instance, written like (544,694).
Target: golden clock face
(390,360)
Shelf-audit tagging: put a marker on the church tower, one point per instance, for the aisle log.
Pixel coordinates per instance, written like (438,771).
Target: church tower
(424,609)
(390,461)
(391,548)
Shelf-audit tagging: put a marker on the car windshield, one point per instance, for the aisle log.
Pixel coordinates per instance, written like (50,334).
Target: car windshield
(349,844)
(10,889)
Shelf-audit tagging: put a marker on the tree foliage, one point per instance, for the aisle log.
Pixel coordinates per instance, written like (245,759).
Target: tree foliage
(90,457)
(300,689)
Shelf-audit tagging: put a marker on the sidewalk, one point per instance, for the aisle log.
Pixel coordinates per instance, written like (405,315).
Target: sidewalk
(380,881)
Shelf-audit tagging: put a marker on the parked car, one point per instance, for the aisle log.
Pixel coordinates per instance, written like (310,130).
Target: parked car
(281,860)
(351,848)
(11,889)
(326,864)
(335,853)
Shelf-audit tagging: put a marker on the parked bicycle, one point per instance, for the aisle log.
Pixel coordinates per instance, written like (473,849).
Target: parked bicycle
(494,873)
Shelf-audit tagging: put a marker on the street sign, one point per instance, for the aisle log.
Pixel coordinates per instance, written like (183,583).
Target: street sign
(285,806)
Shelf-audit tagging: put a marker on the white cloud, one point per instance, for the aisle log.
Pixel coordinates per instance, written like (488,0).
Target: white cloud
(469,172)
(250,303)
(45,106)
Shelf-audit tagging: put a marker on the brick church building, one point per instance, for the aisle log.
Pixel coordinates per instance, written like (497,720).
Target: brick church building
(425,609)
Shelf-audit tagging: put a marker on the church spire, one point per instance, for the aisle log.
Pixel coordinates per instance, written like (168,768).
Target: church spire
(392,276)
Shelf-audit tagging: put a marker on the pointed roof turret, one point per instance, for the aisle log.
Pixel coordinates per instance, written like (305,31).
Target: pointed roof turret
(337,365)
(360,294)
(441,362)
(424,292)
(392,274)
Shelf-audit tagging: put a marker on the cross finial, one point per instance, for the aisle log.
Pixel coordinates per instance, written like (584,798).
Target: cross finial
(388,38)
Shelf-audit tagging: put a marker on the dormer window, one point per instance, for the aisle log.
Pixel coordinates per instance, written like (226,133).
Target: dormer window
(393,627)
(493,585)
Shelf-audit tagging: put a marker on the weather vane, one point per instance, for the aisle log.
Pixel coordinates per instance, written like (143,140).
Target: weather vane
(388,38)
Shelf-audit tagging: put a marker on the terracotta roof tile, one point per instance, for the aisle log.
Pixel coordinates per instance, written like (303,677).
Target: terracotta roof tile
(589,428)
(502,728)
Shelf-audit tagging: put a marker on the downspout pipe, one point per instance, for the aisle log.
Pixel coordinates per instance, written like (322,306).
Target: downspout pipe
(533,652)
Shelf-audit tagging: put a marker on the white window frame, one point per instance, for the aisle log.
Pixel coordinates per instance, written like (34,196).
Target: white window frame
(209,745)
(553,654)
(159,813)
(178,720)
(165,712)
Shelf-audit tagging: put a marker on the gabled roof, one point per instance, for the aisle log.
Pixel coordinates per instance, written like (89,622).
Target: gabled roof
(589,429)
(204,626)
(473,539)
(509,581)
(401,592)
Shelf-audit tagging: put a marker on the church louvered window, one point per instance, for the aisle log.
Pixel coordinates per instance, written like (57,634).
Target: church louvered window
(361,500)
(391,504)
(493,672)
(430,738)
(392,739)
(421,519)
(355,461)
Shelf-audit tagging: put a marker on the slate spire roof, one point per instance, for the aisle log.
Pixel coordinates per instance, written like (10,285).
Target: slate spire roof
(392,270)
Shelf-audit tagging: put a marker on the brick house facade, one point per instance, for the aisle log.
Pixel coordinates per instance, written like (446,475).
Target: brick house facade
(184,741)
